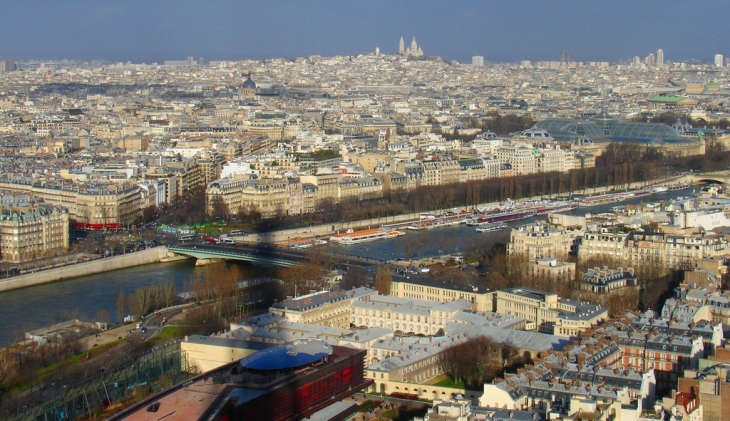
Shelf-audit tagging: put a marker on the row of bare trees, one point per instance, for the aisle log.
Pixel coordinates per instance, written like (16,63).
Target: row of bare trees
(146,299)
(621,164)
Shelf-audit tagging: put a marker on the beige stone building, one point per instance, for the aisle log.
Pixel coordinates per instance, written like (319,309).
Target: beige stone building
(32,232)
(268,196)
(539,240)
(472,170)
(416,365)
(441,292)
(521,159)
(327,186)
(638,248)
(210,352)
(425,317)
(89,207)
(548,313)
(393,182)
(324,308)
(552,268)
(440,172)
(210,164)
(272,130)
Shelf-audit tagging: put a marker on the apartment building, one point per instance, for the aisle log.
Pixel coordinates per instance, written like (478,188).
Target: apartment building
(522,159)
(472,170)
(327,186)
(636,248)
(393,182)
(90,206)
(33,231)
(552,268)
(710,385)
(668,355)
(606,281)
(211,164)
(539,240)
(440,172)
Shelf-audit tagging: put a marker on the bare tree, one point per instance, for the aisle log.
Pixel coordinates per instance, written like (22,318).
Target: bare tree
(383,280)
(477,360)
(121,306)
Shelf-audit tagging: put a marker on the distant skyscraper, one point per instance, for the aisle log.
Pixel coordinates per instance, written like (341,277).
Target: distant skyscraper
(401,46)
(650,60)
(564,57)
(477,61)
(7,66)
(718,60)
(660,58)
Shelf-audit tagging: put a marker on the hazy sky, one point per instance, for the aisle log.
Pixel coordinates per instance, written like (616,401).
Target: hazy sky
(499,30)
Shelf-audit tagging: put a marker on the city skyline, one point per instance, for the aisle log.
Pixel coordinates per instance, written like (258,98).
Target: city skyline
(498,31)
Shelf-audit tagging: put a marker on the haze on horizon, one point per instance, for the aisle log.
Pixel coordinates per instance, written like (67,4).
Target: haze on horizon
(500,30)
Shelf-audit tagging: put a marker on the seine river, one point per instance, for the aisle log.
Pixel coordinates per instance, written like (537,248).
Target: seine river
(45,304)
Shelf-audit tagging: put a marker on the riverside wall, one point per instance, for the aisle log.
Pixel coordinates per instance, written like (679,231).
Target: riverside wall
(324,230)
(153,255)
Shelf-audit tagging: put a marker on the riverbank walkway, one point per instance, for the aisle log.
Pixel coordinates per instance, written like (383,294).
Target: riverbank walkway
(326,230)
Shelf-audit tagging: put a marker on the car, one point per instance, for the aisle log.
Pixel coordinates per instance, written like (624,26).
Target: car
(143,329)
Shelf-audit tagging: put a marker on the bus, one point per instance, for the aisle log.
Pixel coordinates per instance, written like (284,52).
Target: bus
(186,237)
(228,240)
(235,232)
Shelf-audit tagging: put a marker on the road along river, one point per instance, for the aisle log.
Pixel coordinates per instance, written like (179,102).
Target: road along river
(42,305)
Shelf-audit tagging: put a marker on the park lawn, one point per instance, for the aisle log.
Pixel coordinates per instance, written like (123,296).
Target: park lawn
(449,382)
(167,333)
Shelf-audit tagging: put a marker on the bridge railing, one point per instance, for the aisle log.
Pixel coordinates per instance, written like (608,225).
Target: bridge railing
(195,252)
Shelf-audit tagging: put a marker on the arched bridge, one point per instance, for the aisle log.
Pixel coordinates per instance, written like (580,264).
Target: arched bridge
(722,177)
(213,252)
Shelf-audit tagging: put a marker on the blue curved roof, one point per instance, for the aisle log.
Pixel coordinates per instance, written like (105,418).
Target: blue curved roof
(293,354)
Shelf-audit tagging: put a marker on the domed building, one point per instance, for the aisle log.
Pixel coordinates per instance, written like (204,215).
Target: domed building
(248,89)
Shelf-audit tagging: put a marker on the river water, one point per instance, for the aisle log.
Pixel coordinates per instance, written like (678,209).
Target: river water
(32,307)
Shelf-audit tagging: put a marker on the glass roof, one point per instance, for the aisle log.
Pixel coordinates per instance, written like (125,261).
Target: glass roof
(552,124)
(644,131)
(583,128)
(604,117)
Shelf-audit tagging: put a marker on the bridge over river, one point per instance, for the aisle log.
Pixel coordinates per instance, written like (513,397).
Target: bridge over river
(209,252)
(722,177)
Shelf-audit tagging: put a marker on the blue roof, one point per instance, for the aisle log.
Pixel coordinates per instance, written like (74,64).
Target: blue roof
(293,354)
